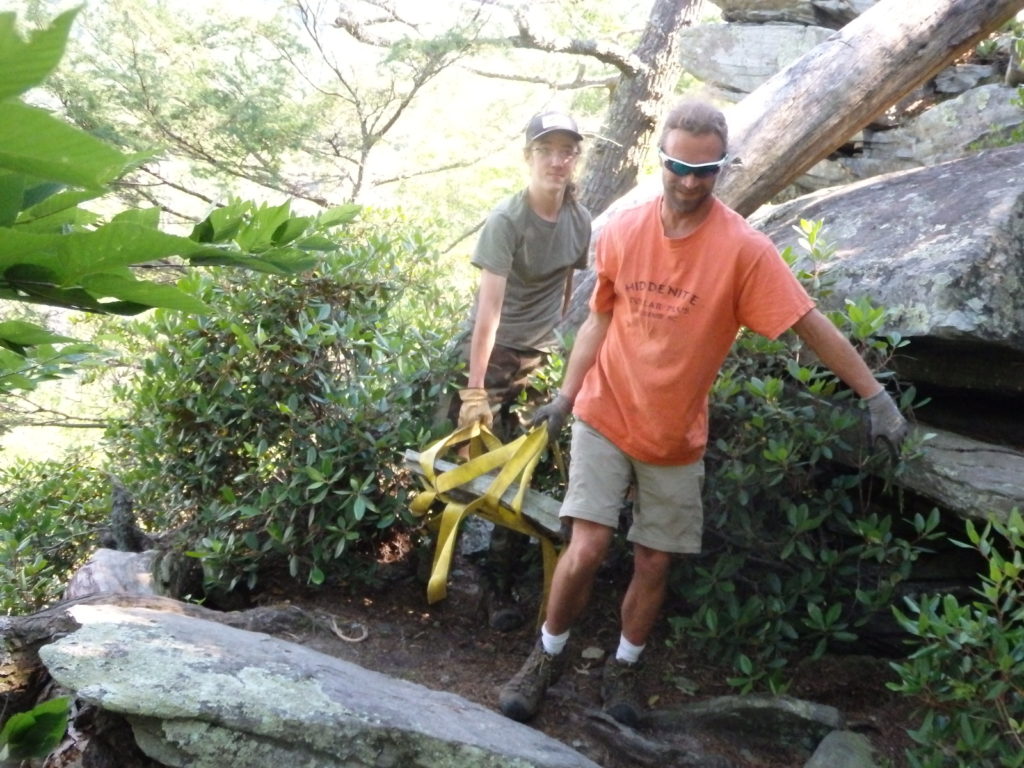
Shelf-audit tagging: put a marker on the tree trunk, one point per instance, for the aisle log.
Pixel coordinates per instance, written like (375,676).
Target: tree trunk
(633,110)
(808,110)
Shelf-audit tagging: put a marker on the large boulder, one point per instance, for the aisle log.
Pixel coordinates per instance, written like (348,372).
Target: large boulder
(981,114)
(202,694)
(736,58)
(940,247)
(825,13)
(984,115)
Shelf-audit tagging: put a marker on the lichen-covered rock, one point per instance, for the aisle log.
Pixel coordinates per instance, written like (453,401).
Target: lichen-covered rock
(843,749)
(941,247)
(205,695)
(949,130)
(826,13)
(737,58)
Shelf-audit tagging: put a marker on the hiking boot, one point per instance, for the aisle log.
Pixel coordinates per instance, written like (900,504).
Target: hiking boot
(619,691)
(521,696)
(503,613)
(504,563)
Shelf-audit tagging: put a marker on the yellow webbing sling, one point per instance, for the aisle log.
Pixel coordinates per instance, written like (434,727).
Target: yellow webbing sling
(516,459)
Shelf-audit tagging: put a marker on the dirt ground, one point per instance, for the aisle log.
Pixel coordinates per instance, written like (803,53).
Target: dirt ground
(448,646)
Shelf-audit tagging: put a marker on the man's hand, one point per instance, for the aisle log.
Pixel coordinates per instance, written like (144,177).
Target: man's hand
(885,422)
(554,413)
(475,407)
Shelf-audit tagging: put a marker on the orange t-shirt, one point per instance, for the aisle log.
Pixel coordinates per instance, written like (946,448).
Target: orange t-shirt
(677,305)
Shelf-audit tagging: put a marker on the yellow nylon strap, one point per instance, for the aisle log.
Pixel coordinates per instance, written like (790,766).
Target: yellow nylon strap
(517,459)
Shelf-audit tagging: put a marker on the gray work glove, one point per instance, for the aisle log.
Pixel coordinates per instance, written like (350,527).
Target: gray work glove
(886,423)
(554,413)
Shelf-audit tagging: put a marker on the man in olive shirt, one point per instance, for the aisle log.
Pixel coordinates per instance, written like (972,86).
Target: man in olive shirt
(526,254)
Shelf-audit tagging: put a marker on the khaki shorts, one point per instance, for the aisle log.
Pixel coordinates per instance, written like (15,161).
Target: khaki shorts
(667,512)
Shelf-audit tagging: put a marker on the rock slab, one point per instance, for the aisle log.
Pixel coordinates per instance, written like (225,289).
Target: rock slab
(205,695)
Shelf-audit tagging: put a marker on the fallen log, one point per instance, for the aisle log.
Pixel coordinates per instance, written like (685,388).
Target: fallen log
(809,109)
(970,478)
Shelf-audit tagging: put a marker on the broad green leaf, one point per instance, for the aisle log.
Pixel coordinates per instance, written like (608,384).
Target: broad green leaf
(69,257)
(290,230)
(36,732)
(143,217)
(35,283)
(68,218)
(46,199)
(277,262)
(12,197)
(35,143)
(317,243)
(258,235)
(13,380)
(36,191)
(24,65)
(121,286)
(221,225)
(28,334)
(341,214)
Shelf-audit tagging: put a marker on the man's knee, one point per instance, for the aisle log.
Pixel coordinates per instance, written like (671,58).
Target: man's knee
(589,543)
(651,564)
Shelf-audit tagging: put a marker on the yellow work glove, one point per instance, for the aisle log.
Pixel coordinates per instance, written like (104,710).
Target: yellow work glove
(475,407)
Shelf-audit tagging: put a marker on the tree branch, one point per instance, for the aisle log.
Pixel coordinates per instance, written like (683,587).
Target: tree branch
(578,84)
(625,61)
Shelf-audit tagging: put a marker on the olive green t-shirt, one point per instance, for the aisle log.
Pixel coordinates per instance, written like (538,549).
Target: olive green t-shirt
(534,256)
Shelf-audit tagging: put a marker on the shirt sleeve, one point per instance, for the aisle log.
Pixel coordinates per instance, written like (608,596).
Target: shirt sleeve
(496,245)
(583,261)
(605,269)
(772,299)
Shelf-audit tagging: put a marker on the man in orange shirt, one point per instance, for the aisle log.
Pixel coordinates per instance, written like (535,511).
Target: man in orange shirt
(676,279)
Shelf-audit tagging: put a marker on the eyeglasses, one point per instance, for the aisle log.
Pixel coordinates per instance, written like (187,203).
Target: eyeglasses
(700,170)
(559,155)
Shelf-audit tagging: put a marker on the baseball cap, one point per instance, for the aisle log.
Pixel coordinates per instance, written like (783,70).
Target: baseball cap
(544,123)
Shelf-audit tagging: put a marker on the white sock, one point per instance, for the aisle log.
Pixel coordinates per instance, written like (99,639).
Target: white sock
(628,652)
(553,644)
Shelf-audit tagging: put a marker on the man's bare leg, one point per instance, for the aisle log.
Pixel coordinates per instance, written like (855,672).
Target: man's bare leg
(574,576)
(645,594)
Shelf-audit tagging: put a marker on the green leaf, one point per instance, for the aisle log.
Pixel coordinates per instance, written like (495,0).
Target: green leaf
(143,217)
(36,143)
(220,226)
(342,214)
(12,196)
(25,334)
(127,288)
(316,243)
(24,65)
(258,235)
(290,230)
(47,199)
(36,732)
(276,261)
